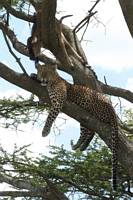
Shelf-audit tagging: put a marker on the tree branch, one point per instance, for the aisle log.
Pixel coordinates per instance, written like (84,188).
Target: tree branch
(21,81)
(15,13)
(21,194)
(34,191)
(119,92)
(18,184)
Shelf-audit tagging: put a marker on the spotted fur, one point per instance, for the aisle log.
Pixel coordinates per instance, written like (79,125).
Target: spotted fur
(95,103)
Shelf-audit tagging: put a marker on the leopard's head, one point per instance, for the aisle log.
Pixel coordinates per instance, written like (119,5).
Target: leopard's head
(46,73)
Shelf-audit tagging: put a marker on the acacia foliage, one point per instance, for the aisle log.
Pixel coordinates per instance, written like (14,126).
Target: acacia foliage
(76,174)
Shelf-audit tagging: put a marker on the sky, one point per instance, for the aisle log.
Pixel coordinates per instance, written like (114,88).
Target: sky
(108,46)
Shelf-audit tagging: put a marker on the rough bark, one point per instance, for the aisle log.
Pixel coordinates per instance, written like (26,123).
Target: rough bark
(127,9)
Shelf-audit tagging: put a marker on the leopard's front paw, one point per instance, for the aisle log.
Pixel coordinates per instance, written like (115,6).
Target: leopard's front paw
(45,131)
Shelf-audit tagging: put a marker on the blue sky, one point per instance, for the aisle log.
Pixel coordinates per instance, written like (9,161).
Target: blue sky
(109,52)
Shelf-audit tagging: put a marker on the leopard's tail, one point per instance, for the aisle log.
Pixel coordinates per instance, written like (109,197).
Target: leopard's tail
(114,150)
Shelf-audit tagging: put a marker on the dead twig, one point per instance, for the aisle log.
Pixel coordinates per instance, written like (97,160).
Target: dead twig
(83,22)
(63,17)
(86,20)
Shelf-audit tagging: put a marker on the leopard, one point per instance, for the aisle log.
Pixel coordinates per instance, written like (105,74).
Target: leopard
(95,103)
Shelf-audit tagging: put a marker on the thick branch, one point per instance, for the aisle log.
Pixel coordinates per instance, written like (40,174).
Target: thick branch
(20,80)
(20,194)
(34,191)
(23,184)
(119,92)
(125,148)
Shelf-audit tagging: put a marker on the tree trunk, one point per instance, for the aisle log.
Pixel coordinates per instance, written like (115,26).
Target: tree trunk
(127,9)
